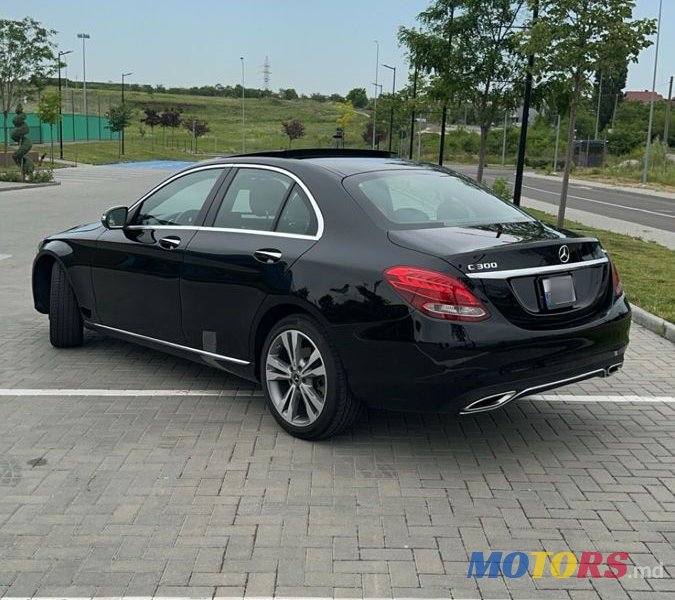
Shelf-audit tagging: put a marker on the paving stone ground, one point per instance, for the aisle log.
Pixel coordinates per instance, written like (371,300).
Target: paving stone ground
(203,495)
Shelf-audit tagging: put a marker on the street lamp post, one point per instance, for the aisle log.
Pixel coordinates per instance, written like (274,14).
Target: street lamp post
(376,140)
(60,104)
(651,103)
(122,132)
(84,37)
(377,69)
(391,115)
(243,110)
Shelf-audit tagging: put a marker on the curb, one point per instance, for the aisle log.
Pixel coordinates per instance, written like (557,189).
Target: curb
(27,186)
(653,323)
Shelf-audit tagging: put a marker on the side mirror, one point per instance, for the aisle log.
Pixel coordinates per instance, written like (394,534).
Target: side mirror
(115,217)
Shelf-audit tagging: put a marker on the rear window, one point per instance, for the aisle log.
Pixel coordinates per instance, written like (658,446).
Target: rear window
(411,199)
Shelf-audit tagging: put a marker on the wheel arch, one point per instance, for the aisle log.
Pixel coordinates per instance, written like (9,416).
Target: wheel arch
(51,253)
(268,316)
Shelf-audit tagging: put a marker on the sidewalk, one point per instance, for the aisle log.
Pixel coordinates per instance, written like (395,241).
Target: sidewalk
(660,236)
(636,189)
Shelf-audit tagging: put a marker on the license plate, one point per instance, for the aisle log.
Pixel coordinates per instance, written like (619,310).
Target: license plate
(559,292)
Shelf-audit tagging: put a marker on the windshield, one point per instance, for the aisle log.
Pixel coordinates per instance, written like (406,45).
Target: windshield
(416,198)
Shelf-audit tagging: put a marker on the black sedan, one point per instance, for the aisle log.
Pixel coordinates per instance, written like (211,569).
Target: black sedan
(337,278)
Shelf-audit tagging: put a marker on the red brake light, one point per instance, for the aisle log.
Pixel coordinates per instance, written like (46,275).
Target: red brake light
(435,294)
(618,286)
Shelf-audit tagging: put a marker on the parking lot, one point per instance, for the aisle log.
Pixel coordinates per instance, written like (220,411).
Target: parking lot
(127,472)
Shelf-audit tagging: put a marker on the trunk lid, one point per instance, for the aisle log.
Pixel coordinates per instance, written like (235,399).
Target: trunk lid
(536,276)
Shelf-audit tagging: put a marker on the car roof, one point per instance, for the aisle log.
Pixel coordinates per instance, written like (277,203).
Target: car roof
(343,162)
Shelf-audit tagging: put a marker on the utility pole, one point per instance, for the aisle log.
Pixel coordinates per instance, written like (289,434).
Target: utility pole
(391,116)
(597,112)
(377,69)
(61,105)
(504,141)
(670,104)
(122,132)
(243,112)
(84,37)
(651,103)
(520,165)
(412,120)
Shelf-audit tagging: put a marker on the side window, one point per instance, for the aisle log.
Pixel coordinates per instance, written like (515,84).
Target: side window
(178,202)
(297,215)
(253,200)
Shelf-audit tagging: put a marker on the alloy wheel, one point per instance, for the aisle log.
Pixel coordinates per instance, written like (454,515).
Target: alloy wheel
(296,378)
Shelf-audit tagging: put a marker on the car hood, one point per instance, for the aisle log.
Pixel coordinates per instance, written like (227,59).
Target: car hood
(78,229)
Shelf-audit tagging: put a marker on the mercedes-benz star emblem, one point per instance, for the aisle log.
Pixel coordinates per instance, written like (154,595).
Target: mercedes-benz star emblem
(564,254)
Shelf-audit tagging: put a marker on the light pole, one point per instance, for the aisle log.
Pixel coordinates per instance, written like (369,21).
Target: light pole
(597,113)
(84,37)
(391,116)
(377,69)
(122,132)
(243,110)
(376,140)
(60,104)
(651,103)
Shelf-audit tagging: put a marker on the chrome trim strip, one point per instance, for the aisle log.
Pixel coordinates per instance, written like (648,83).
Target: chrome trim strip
(587,375)
(507,397)
(170,344)
(536,270)
(317,211)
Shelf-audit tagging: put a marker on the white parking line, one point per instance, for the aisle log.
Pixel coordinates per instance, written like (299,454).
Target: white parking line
(4,256)
(573,398)
(230,393)
(643,210)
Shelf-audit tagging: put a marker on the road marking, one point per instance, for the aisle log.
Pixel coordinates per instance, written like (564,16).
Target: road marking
(574,398)
(96,392)
(231,393)
(4,256)
(643,210)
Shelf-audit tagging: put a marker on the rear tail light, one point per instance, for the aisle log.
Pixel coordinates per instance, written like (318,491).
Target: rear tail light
(435,294)
(616,281)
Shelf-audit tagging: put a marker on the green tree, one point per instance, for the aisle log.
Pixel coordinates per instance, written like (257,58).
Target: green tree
(20,136)
(610,87)
(358,97)
(293,130)
(572,39)
(469,49)
(26,59)
(197,127)
(119,118)
(347,115)
(49,110)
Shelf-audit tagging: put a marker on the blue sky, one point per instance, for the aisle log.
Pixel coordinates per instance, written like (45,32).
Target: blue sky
(313,45)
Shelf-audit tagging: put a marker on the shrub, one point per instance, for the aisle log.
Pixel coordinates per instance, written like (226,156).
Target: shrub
(501,187)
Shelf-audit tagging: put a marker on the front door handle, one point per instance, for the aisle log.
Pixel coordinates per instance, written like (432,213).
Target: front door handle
(170,242)
(267,255)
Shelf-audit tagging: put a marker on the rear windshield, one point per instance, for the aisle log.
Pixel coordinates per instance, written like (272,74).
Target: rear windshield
(411,199)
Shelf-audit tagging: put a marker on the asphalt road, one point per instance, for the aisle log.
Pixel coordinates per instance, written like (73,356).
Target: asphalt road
(634,207)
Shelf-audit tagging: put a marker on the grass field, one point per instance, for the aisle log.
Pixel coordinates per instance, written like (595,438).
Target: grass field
(647,269)
(263,126)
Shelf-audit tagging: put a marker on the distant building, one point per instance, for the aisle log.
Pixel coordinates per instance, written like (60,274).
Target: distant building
(644,97)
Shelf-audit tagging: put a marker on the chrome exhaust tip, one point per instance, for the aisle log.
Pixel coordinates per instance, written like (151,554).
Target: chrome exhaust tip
(488,403)
(613,369)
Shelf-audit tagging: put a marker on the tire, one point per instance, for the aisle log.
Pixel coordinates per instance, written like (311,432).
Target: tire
(320,406)
(65,320)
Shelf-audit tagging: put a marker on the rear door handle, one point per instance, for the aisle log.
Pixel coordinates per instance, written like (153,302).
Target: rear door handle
(267,255)
(170,242)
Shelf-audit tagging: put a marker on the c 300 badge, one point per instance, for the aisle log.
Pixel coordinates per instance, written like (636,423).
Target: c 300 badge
(486,266)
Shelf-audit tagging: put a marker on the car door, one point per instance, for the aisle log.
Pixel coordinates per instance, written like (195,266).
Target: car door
(265,221)
(136,270)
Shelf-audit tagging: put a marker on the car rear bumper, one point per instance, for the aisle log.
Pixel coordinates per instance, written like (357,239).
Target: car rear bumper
(429,365)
